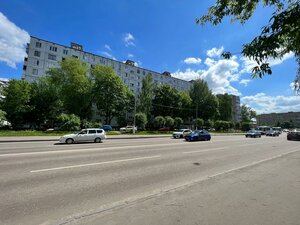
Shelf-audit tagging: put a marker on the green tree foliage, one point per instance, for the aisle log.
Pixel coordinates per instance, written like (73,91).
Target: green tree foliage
(2,116)
(185,104)
(74,86)
(178,121)
(165,101)
(245,126)
(169,121)
(199,123)
(247,113)
(45,103)
(68,122)
(221,125)
(159,121)
(16,101)
(146,95)
(277,38)
(112,97)
(141,120)
(287,125)
(208,124)
(225,107)
(203,101)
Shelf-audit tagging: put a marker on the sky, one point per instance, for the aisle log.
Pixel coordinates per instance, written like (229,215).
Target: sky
(157,35)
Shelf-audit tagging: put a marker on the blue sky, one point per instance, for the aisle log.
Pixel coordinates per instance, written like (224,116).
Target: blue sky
(158,35)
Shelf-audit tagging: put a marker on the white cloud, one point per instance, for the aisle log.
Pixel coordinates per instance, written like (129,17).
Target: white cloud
(189,74)
(245,82)
(13,41)
(248,64)
(192,60)
(128,39)
(130,55)
(108,55)
(106,46)
(215,52)
(263,103)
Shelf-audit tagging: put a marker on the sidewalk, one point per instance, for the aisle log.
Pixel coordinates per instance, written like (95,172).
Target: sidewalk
(55,138)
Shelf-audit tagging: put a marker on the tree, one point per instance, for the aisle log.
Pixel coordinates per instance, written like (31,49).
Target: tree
(2,117)
(68,122)
(203,101)
(165,102)
(277,38)
(141,120)
(178,121)
(247,113)
(112,97)
(146,96)
(16,101)
(184,103)
(159,121)
(169,121)
(246,126)
(225,107)
(74,86)
(45,102)
(199,123)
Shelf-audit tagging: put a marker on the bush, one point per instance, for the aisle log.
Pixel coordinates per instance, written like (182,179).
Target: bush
(169,121)
(68,122)
(246,126)
(89,124)
(141,120)
(159,121)
(221,125)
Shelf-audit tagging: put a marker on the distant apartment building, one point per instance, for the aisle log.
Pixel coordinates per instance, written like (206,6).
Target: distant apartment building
(43,55)
(272,119)
(236,108)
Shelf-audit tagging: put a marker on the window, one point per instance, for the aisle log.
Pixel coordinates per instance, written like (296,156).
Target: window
(34,71)
(131,85)
(65,52)
(25,59)
(92,131)
(24,67)
(36,62)
(52,48)
(63,59)
(99,131)
(52,57)
(138,71)
(75,56)
(37,53)
(125,74)
(144,72)
(38,44)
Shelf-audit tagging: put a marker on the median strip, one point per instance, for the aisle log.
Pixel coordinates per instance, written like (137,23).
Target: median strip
(94,164)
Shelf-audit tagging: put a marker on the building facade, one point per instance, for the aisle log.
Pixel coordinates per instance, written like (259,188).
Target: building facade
(42,55)
(272,119)
(236,109)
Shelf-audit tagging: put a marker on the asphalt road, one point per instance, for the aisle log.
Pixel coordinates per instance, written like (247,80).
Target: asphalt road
(228,180)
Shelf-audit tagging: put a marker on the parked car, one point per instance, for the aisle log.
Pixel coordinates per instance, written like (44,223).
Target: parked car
(106,127)
(198,135)
(164,129)
(128,129)
(181,133)
(272,133)
(253,133)
(293,135)
(91,134)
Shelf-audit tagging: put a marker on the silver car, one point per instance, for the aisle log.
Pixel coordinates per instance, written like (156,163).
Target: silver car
(92,134)
(181,133)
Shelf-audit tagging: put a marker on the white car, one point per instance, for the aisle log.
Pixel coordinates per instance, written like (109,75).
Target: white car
(181,133)
(128,129)
(91,134)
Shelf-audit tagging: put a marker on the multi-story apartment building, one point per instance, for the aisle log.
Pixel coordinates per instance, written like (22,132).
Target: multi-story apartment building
(236,109)
(272,119)
(43,55)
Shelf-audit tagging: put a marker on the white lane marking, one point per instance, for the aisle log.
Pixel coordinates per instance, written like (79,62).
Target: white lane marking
(261,143)
(94,164)
(208,150)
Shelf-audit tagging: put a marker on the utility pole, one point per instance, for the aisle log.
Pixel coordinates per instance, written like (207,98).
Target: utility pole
(134,112)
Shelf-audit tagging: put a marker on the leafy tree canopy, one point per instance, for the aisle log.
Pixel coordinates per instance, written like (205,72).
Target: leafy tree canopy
(280,36)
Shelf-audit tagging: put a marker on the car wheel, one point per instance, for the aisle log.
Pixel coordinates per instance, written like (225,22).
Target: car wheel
(181,136)
(69,141)
(97,140)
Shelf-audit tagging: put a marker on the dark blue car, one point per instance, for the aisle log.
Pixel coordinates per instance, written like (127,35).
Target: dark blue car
(106,127)
(198,135)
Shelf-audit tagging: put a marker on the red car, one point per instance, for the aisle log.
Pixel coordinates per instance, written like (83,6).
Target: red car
(164,129)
